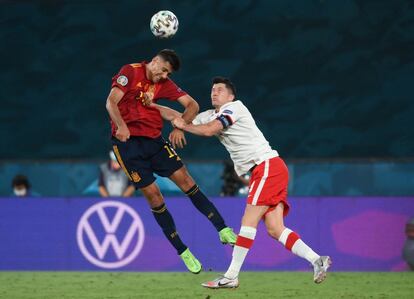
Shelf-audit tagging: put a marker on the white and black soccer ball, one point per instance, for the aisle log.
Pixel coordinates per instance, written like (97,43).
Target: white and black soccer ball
(164,24)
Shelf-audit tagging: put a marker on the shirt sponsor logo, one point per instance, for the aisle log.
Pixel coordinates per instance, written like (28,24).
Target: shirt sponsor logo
(228,111)
(122,80)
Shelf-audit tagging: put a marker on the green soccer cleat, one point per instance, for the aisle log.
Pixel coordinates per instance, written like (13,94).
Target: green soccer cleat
(227,236)
(192,264)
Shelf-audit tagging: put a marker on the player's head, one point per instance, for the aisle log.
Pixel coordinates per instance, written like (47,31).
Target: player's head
(162,65)
(222,91)
(171,57)
(20,185)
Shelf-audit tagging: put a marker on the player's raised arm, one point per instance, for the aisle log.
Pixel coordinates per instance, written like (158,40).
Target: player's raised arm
(191,108)
(116,94)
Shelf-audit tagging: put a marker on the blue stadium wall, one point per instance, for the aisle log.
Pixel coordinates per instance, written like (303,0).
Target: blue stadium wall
(322,78)
(307,178)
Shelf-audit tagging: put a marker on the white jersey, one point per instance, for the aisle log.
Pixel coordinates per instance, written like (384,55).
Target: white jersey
(241,136)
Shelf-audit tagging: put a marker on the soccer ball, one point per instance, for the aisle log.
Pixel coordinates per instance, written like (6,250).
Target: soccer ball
(164,24)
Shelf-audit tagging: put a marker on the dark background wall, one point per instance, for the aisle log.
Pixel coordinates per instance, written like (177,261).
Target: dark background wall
(322,78)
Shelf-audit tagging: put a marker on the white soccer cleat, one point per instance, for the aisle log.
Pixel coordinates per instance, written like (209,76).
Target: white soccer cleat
(222,283)
(320,267)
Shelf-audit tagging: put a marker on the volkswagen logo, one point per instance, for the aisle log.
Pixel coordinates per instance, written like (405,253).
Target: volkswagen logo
(110,234)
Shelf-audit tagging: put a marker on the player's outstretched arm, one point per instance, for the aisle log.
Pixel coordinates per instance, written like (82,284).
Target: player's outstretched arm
(209,129)
(166,112)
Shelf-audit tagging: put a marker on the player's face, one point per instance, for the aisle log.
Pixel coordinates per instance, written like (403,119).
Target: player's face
(220,95)
(160,70)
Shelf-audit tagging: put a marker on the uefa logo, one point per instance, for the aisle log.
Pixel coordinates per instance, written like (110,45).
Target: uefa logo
(110,234)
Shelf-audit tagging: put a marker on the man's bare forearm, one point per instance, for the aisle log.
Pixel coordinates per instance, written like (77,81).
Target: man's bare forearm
(200,130)
(167,113)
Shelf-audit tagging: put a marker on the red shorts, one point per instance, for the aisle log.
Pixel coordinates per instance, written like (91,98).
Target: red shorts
(269,184)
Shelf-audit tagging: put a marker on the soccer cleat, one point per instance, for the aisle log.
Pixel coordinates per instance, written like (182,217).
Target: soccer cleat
(320,267)
(227,236)
(192,264)
(222,282)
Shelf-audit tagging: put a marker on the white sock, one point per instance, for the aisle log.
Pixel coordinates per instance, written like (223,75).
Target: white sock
(292,242)
(241,248)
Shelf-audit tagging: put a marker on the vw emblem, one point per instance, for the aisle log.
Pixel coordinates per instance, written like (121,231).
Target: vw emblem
(110,234)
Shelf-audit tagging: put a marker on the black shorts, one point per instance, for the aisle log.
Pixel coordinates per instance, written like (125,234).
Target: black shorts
(140,157)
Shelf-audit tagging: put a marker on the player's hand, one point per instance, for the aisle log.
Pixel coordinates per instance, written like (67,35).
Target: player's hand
(122,133)
(147,98)
(177,138)
(178,123)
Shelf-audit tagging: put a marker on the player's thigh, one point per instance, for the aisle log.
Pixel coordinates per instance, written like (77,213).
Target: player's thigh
(253,214)
(137,170)
(166,161)
(274,221)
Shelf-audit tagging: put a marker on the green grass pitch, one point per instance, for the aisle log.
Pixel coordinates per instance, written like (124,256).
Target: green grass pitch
(134,285)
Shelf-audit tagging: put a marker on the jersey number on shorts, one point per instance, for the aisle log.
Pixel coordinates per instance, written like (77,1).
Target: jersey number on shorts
(171,152)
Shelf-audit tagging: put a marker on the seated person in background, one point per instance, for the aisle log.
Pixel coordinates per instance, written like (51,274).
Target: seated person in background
(112,180)
(21,186)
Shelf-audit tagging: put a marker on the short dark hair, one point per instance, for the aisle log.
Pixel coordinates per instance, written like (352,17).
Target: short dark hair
(19,180)
(172,57)
(227,82)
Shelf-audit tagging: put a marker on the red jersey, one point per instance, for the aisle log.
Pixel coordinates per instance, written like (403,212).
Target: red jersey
(142,120)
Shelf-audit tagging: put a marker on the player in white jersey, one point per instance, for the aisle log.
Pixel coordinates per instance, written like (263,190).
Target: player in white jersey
(236,129)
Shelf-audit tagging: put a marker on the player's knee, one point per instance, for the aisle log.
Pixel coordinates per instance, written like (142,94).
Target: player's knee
(156,200)
(187,182)
(154,197)
(247,220)
(275,231)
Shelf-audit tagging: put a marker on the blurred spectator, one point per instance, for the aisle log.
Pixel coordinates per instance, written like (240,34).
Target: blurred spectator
(112,179)
(232,183)
(408,250)
(21,186)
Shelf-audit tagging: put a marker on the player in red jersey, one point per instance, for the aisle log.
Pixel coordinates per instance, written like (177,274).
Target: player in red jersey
(141,150)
